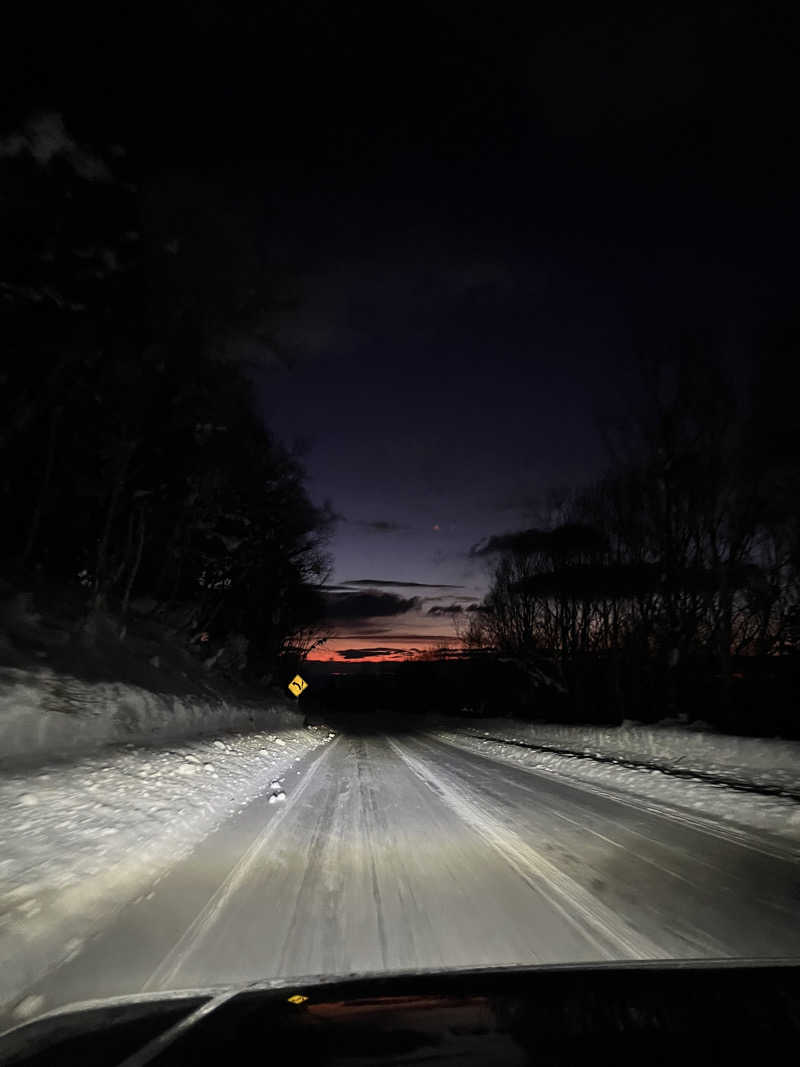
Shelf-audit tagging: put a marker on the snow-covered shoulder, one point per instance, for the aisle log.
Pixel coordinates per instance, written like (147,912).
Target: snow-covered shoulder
(45,713)
(741,781)
(78,840)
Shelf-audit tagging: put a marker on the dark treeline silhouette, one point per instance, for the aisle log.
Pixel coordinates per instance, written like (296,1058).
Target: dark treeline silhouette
(668,590)
(432,682)
(137,477)
(671,588)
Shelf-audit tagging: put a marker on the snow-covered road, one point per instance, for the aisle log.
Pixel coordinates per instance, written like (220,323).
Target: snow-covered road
(403,852)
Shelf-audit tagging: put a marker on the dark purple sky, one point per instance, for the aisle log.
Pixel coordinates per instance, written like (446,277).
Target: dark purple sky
(483,209)
(465,343)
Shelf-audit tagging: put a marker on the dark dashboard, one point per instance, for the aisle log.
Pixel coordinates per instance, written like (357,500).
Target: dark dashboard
(664,1012)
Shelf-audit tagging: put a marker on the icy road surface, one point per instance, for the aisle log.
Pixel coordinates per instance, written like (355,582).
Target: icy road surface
(403,852)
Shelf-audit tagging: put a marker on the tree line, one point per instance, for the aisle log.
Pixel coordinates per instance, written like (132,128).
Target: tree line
(671,587)
(135,465)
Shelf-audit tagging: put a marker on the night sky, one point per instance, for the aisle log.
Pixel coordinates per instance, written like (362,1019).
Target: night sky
(485,215)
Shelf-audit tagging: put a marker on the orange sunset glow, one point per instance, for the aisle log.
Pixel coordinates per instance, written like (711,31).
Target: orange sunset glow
(329,653)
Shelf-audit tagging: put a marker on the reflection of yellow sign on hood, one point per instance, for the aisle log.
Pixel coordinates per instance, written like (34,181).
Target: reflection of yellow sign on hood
(297,685)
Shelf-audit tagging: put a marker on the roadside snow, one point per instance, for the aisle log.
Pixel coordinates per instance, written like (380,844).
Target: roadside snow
(79,840)
(775,815)
(766,763)
(45,714)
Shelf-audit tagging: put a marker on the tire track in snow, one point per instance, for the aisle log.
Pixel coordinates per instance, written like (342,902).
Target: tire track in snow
(172,962)
(610,934)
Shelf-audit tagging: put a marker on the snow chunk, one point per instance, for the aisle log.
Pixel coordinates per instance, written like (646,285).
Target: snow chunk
(28,1007)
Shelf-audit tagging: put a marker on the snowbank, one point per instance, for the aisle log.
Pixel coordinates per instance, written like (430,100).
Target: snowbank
(80,840)
(767,763)
(726,806)
(44,714)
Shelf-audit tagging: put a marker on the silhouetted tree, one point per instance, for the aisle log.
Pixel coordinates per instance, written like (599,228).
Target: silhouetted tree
(682,557)
(135,465)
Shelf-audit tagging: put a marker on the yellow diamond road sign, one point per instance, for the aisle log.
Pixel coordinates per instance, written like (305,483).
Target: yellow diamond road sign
(297,685)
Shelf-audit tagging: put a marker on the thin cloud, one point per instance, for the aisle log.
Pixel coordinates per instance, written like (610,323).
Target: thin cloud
(467,278)
(449,597)
(44,138)
(368,605)
(380,525)
(390,581)
(441,609)
(368,653)
(563,540)
(519,540)
(392,635)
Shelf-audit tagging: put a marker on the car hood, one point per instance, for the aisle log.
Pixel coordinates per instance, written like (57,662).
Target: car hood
(613,1012)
